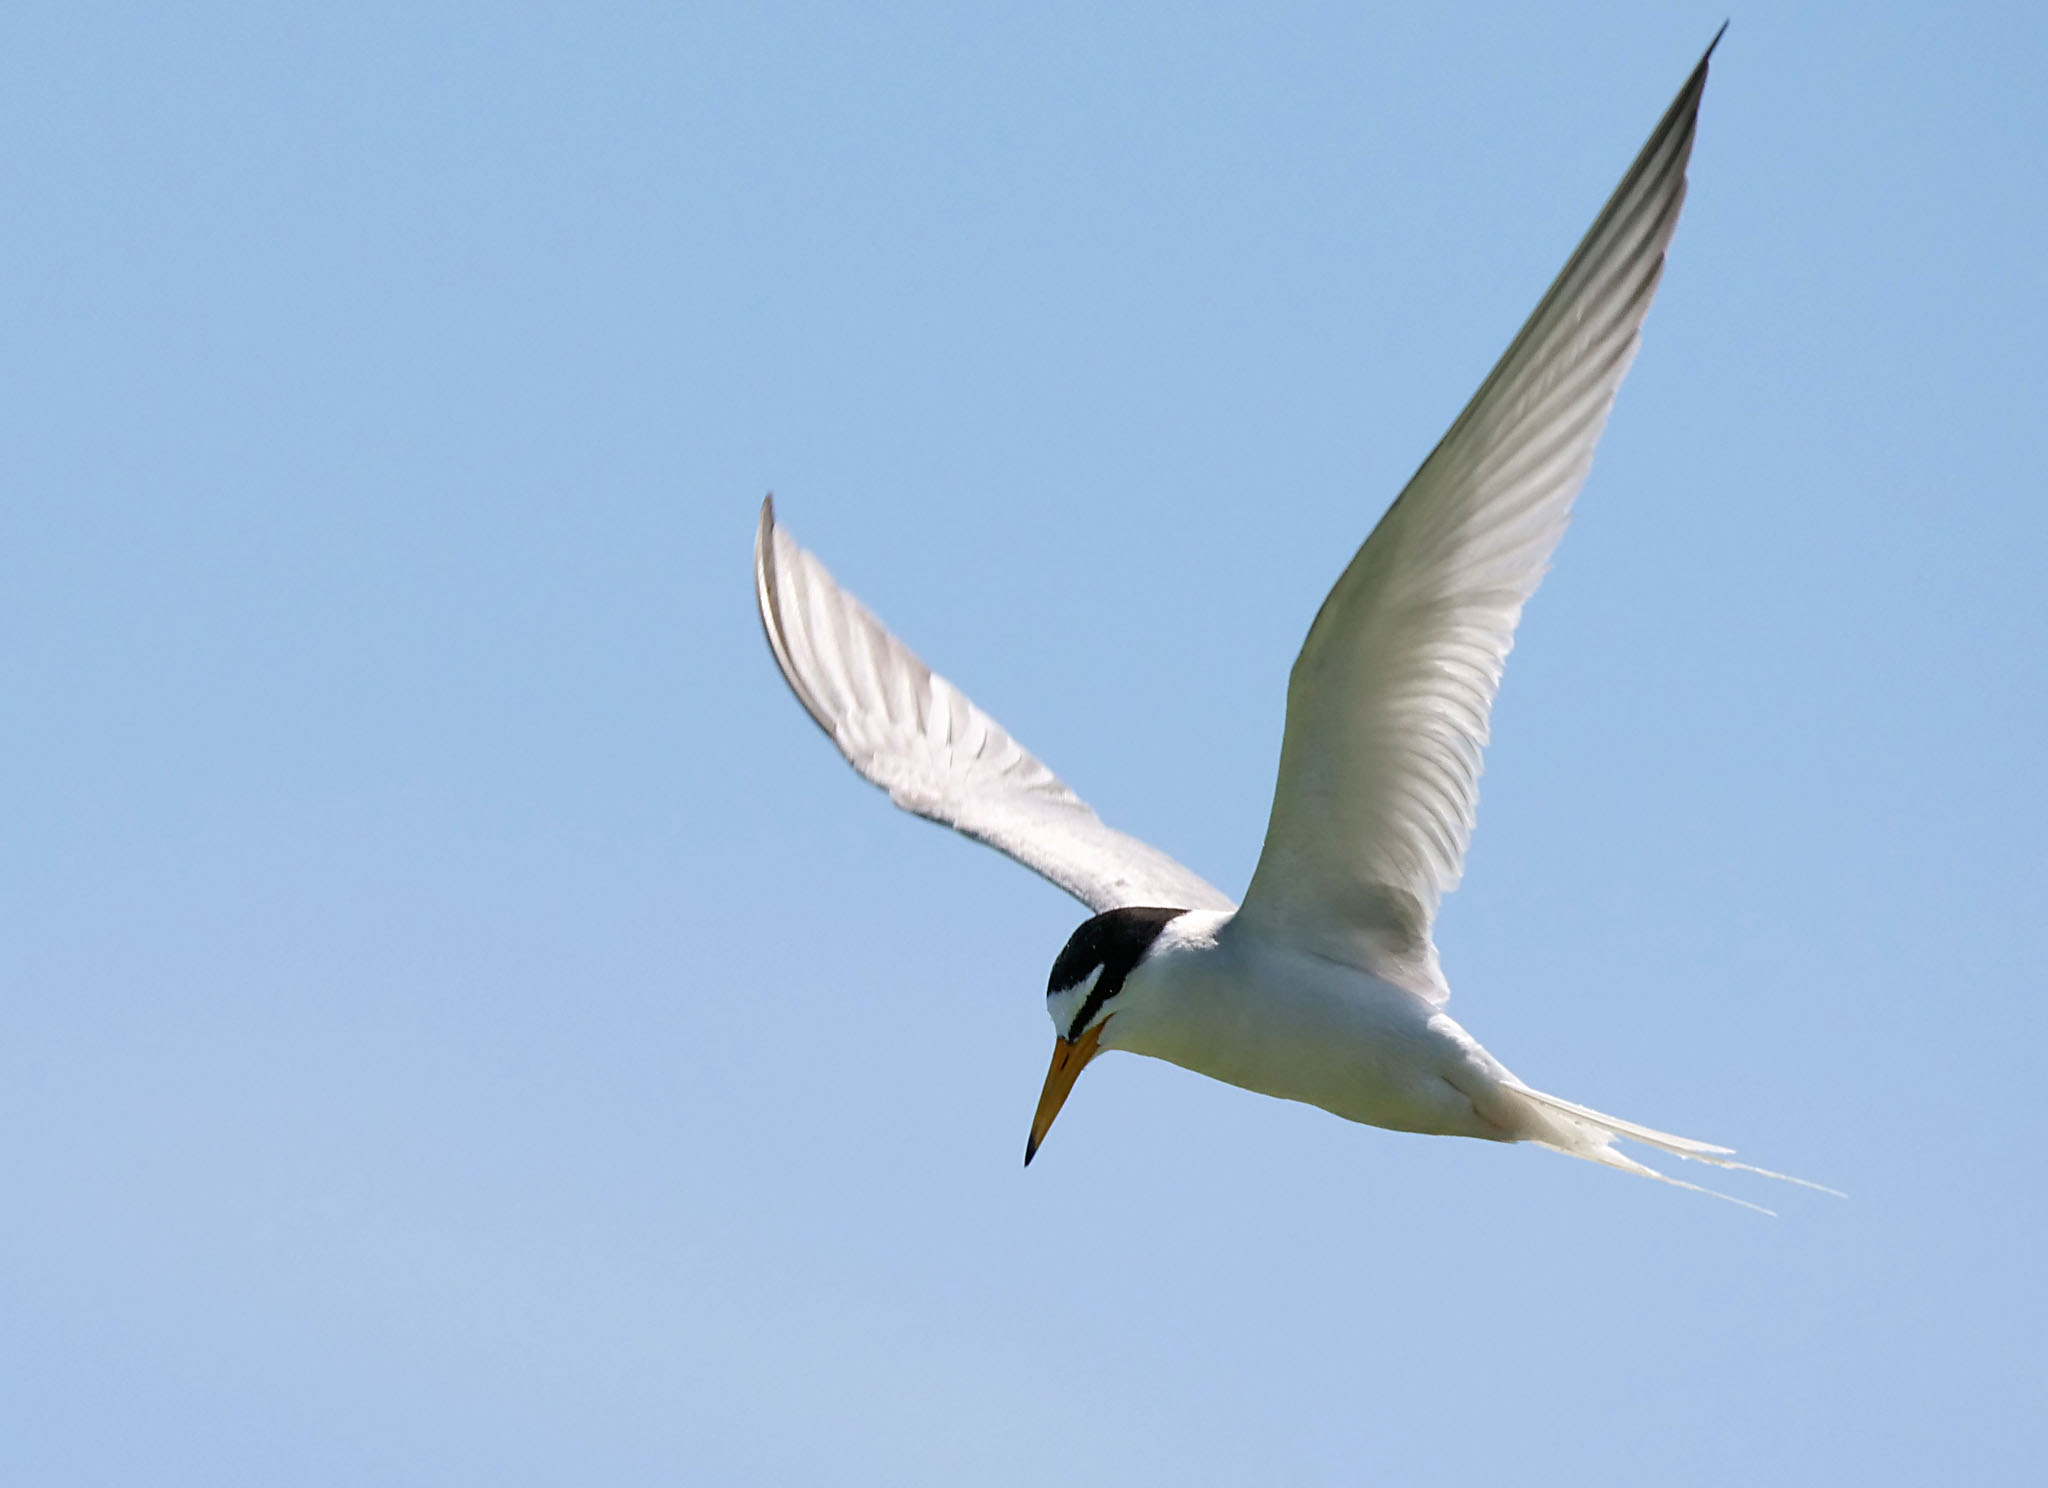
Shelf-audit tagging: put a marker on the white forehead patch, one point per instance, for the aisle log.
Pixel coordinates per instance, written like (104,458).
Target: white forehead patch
(1066,1006)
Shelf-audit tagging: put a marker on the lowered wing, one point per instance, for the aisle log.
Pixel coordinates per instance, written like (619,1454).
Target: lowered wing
(1388,703)
(918,737)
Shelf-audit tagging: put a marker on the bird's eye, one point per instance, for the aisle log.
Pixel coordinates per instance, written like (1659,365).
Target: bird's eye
(1066,1004)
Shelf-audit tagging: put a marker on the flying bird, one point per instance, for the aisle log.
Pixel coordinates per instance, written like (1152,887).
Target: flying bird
(1323,986)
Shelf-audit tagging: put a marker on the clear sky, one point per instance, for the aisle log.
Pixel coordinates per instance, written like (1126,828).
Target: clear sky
(460,1023)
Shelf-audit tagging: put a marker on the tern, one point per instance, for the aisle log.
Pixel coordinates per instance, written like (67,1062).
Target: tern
(1323,986)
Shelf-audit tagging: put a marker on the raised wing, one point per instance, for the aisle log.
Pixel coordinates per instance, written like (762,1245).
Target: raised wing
(918,737)
(1388,703)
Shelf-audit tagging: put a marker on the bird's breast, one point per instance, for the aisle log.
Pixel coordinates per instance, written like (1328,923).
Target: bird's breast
(1296,1026)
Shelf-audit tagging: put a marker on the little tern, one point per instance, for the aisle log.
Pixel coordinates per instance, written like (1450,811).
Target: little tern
(1324,985)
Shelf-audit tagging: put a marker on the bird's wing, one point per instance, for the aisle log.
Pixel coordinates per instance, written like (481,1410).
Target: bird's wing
(1388,702)
(918,737)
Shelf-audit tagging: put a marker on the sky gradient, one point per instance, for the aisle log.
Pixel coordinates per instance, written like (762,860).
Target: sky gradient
(461,1023)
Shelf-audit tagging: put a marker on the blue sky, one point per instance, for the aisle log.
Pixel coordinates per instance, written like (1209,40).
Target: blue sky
(463,1024)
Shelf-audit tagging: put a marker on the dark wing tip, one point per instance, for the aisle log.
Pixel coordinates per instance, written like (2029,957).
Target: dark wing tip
(768,600)
(764,575)
(1699,71)
(1696,84)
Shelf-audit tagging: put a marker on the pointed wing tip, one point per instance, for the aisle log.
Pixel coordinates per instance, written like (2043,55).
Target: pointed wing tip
(1698,79)
(768,600)
(1687,103)
(764,570)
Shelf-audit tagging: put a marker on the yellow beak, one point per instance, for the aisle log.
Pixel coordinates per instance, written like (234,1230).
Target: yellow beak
(1067,1062)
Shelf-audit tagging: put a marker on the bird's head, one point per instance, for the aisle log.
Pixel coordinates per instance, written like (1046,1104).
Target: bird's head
(1081,995)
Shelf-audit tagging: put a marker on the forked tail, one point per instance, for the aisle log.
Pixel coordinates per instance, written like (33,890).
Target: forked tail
(1579,1131)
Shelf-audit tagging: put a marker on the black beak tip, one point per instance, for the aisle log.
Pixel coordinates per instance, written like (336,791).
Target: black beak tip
(1030,1151)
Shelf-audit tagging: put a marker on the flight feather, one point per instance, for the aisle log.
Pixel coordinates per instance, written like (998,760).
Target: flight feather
(918,737)
(1389,700)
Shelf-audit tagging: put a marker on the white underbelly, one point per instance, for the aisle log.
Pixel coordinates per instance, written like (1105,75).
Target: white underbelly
(1305,1029)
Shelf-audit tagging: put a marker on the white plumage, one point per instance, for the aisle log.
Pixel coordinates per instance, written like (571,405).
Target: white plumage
(1324,987)
(918,737)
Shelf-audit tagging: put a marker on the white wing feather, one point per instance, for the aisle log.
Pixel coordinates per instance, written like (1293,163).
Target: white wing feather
(918,737)
(1388,703)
